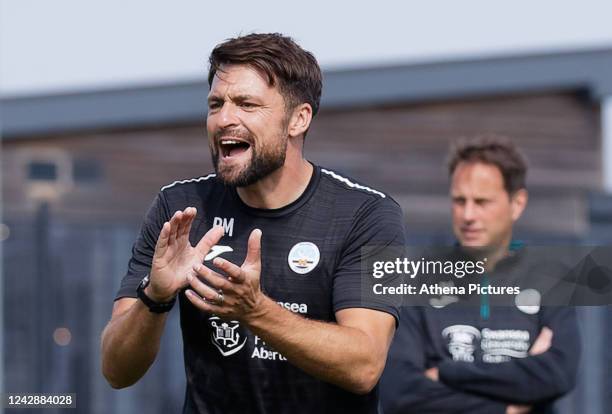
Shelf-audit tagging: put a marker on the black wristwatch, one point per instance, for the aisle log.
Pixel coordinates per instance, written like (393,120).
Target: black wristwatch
(153,306)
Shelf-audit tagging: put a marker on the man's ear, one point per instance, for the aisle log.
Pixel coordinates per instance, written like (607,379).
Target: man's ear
(518,201)
(300,120)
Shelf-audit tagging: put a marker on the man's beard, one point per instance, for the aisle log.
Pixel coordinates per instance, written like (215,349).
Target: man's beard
(261,164)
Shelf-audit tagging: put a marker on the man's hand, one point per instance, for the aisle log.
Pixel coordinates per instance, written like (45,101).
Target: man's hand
(518,409)
(433,374)
(239,295)
(175,257)
(542,342)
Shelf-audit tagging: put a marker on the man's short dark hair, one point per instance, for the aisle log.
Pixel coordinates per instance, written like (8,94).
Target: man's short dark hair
(495,150)
(286,65)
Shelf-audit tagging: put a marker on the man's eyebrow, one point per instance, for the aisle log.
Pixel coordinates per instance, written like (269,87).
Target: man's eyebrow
(242,98)
(236,98)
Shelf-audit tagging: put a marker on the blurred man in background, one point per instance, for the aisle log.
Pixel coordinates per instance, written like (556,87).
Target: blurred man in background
(287,331)
(483,359)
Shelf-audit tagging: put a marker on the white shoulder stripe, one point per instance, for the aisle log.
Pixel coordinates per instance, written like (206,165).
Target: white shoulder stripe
(350,183)
(191,180)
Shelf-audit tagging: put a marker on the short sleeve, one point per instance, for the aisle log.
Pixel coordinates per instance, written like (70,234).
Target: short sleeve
(377,225)
(144,248)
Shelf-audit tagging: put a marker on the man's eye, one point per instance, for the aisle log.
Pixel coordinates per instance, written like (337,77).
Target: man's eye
(214,105)
(247,105)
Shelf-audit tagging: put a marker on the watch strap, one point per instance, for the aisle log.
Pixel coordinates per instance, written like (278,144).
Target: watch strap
(155,307)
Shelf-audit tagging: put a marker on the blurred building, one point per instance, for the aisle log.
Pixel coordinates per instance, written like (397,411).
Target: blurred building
(79,171)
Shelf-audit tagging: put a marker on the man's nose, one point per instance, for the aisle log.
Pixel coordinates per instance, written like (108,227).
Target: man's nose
(469,211)
(227,116)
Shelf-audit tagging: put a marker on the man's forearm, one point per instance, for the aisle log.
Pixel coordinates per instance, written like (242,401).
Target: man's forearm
(524,381)
(409,392)
(342,355)
(130,343)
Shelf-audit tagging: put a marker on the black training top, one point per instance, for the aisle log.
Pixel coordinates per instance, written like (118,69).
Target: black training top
(311,265)
(483,360)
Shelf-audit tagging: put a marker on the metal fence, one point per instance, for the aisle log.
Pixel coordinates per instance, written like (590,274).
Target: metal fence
(60,281)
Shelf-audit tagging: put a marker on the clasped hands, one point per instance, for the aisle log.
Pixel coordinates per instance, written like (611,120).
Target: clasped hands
(177,265)
(237,296)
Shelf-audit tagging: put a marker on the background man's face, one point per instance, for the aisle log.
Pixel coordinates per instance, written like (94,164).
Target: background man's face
(246,124)
(482,211)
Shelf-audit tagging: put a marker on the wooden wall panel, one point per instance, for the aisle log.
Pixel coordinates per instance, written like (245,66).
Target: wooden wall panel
(400,149)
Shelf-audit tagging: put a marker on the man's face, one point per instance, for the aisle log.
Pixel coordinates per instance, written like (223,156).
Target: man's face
(483,212)
(246,124)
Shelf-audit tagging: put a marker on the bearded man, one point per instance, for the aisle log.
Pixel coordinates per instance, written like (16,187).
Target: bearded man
(287,330)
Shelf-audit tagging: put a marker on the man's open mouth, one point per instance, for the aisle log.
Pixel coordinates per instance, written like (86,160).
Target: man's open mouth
(231,147)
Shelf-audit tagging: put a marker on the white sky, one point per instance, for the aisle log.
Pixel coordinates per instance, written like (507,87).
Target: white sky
(70,45)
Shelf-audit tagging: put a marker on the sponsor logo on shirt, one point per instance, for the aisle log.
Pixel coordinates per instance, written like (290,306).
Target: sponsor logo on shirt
(225,336)
(461,340)
(263,351)
(217,251)
(228,339)
(294,307)
(497,345)
(501,345)
(303,257)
